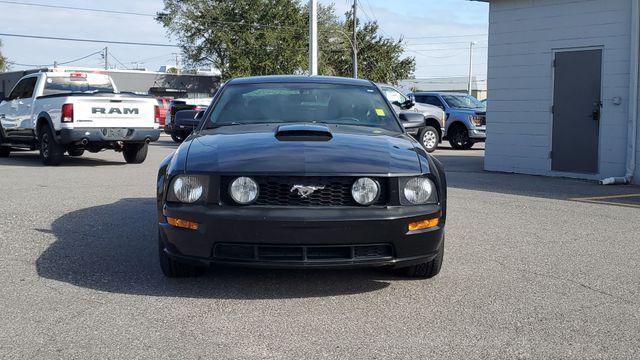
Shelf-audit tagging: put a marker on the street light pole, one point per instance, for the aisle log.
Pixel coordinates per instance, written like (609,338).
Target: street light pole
(355,39)
(106,58)
(471,66)
(313,37)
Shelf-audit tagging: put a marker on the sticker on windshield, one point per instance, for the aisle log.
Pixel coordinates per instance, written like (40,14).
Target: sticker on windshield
(380,112)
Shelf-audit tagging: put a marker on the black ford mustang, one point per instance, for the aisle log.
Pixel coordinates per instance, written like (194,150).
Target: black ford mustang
(301,172)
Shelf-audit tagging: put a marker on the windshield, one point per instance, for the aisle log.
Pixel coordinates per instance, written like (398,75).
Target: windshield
(462,101)
(303,103)
(64,85)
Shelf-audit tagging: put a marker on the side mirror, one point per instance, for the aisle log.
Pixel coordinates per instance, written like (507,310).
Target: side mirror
(199,115)
(409,104)
(411,120)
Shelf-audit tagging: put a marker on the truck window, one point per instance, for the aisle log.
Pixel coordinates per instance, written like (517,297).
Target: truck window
(432,100)
(24,89)
(65,85)
(393,95)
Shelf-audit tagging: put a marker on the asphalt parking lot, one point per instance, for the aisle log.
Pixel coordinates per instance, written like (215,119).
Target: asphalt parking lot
(532,270)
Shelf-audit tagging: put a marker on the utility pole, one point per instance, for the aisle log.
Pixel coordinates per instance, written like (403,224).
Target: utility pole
(106,58)
(177,64)
(313,37)
(355,39)
(471,66)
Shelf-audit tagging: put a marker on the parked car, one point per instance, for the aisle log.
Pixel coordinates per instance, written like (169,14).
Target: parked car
(323,177)
(466,117)
(430,134)
(58,112)
(163,104)
(185,121)
(178,135)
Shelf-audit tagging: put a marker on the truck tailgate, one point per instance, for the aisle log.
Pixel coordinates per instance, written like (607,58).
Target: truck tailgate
(114,112)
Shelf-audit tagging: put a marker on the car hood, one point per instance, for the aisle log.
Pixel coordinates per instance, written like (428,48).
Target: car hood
(254,149)
(476,111)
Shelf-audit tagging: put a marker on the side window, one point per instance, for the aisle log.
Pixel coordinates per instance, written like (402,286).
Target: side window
(433,100)
(17,90)
(24,89)
(393,95)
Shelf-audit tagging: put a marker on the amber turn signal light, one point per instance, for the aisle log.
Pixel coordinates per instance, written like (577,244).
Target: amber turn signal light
(183,223)
(424,224)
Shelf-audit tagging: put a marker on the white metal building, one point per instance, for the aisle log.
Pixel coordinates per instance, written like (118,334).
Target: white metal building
(563,88)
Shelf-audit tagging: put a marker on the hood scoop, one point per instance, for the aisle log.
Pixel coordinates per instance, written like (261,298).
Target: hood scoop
(303,132)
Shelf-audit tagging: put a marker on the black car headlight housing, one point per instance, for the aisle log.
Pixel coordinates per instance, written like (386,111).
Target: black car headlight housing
(365,191)
(188,189)
(418,191)
(244,190)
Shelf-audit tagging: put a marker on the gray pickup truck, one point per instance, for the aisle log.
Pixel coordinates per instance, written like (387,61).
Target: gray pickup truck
(429,135)
(466,122)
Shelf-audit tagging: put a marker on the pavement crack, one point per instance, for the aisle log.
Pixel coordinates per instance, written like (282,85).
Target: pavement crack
(575,282)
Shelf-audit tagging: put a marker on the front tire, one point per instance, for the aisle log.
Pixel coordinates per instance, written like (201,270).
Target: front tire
(429,138)
(174,269)
(177,138)
(459,139)
(428,269)
(51,153)
(135,153)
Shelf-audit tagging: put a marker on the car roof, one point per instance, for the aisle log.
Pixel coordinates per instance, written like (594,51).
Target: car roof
(299,79)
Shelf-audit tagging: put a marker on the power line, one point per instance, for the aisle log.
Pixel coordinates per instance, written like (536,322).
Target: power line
(118,61)
(57,63)
(445,49)
(88,40)
(232,23)
(444,36)
(76,8)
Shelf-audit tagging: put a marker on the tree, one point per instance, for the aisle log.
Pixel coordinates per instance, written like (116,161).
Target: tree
(241,37)
(3,61)
(265,37)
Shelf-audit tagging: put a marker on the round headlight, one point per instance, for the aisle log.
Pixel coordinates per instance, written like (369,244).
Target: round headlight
(418,190)
(365,191)
(188,189)
(244,190)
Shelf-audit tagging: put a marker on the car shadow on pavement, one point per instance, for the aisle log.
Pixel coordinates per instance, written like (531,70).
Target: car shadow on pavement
(113,248)
(32,159)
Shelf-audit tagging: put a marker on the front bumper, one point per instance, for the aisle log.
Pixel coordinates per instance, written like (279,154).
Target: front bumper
(99,135)
(302,237)
(478,134)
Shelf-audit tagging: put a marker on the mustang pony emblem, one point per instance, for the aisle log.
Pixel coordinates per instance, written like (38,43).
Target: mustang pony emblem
(304,191)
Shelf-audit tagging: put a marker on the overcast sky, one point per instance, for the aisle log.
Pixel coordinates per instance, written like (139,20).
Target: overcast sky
(437,32)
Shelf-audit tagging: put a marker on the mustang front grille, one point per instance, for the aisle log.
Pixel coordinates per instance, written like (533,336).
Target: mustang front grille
(306,254)
(331,191)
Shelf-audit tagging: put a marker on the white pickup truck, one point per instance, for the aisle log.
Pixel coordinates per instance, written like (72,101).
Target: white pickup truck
(58,112)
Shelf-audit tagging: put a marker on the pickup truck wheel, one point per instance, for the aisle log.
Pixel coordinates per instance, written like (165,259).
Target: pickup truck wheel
(176,138)
(135,153)
(429,138)
(173,269)
(51,153)
(75,152)
(4,152)
(459,139)
(429,269)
